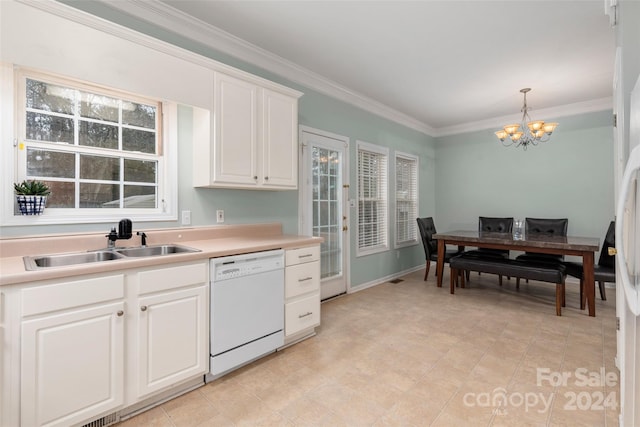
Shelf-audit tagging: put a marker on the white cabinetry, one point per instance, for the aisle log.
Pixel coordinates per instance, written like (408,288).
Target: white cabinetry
(236,132)
(172,327)
(254,138)
(279,140)
(95,345)
(72,347)
(302,292)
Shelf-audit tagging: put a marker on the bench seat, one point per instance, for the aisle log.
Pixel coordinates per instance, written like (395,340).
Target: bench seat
(544,272)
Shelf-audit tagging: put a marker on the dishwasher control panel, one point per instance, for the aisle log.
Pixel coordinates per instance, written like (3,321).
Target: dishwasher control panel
(231,267)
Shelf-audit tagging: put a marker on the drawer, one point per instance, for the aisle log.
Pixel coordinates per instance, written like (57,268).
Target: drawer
(301,278)
(302,314)
(65,295)
(177,276)
(302,255)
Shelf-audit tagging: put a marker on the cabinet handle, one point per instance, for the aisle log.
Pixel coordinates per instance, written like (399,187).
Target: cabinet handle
(300,316)
(143,308)
(266,178)
(255,177)
(120,313)
(305,279)
(305,255)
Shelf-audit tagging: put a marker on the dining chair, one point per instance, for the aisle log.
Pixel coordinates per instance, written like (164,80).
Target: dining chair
(498,225)
(427,230)
(493,224)
(547,226)
(603,272)
(555,227)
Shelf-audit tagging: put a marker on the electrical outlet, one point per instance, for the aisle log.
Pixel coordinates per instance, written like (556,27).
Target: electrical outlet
(186,217)
(220,215)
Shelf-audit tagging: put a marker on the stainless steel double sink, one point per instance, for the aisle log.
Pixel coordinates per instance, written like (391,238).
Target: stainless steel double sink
(61,260)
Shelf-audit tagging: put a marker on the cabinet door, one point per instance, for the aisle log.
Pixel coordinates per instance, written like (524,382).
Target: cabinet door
(280,141)
(173,340)
(235,131)
(72,365)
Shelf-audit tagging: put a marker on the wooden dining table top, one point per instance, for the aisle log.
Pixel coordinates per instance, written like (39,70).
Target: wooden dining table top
(548,241)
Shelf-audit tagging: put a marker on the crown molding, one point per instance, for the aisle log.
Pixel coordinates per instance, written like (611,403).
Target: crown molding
(591,106)
(173,20)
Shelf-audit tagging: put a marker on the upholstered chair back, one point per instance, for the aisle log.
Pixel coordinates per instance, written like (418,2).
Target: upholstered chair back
(427,230)
(499,225)
(605,259)
(546,226)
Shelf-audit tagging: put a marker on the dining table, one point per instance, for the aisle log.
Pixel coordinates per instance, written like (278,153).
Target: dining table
(584,247)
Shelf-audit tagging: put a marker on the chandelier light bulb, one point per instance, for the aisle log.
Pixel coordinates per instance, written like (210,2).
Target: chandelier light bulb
(549,127)
(511,129)
(535,126)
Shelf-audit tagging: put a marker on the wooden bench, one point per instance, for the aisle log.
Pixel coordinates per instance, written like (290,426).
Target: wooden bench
(544,272)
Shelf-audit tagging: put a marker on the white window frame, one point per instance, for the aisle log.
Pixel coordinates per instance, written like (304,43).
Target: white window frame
(413,199)
(382,244)
(12,122)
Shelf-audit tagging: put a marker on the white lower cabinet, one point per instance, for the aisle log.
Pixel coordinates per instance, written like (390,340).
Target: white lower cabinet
(172,342)
(95,345)
(302,293)
(72,351)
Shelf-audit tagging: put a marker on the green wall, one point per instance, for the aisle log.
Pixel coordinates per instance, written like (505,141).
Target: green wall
(461,176)
(244,206)
(571,176)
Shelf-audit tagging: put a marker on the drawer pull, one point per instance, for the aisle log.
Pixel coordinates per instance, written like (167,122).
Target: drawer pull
(120,313)
(143,308)
(305,279)
(305,255)
(300,316)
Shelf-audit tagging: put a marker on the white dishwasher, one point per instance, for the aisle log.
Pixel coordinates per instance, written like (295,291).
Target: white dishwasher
(247,309)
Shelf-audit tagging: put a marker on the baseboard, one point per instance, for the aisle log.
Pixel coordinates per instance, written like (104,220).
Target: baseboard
(384,279)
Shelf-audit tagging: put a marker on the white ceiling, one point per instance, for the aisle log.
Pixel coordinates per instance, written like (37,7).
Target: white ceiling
(441,63)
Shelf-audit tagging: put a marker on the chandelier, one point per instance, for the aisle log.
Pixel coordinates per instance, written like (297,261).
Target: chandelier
(533,133)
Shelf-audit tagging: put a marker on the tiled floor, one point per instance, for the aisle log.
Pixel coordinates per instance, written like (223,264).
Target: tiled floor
(411,354)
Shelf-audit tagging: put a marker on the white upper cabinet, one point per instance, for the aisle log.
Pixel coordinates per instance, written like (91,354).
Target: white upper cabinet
(255,139)
(279,140)
(236,131)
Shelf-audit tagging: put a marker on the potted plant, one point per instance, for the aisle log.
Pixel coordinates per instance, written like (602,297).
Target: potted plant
(31,196)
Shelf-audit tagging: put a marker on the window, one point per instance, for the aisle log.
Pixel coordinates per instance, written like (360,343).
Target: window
(406,199)
(372,198)
(99,150)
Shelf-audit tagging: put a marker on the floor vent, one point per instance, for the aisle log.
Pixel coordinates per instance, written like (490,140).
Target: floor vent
(107,420)
(396,280)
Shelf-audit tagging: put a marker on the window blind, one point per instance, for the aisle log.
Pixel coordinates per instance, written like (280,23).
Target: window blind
(406,195)
(372,198)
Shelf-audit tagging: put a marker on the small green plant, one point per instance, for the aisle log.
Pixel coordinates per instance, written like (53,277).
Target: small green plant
(31,188)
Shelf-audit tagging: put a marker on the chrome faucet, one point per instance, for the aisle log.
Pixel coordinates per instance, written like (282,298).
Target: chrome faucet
(124,232)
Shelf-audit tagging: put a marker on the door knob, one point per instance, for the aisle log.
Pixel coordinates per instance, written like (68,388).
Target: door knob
(612,251)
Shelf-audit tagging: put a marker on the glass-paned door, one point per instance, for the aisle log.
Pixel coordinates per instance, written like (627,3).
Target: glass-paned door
(324,200)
